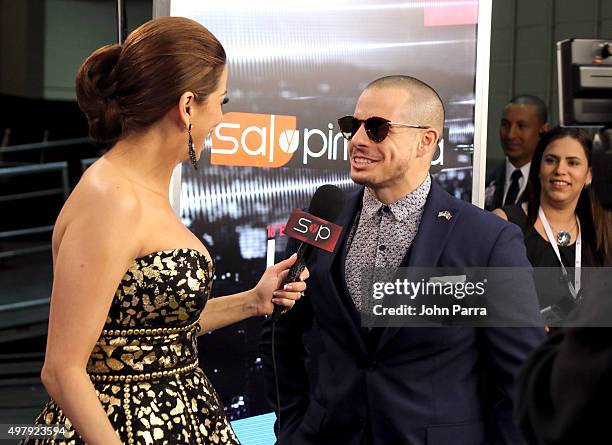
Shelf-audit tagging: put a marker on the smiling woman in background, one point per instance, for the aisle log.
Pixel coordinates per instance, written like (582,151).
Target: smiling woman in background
(563,391)
(555,219)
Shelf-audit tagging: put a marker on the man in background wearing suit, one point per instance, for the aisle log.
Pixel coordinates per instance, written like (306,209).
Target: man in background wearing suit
(523,122)
(343,383)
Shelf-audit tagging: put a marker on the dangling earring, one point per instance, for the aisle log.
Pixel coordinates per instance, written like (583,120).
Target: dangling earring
(192,155)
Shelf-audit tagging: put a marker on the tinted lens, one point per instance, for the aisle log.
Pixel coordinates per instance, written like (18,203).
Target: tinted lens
(348,126)
(377,128)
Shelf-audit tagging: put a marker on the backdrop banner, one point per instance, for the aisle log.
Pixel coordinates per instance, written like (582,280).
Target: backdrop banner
(294,69)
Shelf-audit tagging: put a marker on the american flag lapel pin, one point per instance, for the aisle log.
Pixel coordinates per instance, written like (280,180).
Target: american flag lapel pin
(445,214)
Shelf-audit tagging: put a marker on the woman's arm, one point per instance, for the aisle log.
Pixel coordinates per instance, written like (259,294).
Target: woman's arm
(260,300)
(94,253)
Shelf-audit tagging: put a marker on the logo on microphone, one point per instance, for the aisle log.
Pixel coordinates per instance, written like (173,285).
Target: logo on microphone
(312,230)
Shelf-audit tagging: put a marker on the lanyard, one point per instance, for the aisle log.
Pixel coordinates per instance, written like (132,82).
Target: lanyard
(573,288)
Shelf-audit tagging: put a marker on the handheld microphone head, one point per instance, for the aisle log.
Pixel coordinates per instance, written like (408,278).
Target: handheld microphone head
(314,229)
(327,203)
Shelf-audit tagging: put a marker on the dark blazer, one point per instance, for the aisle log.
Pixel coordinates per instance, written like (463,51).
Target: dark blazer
(411,385)
(563,391)
(494,187)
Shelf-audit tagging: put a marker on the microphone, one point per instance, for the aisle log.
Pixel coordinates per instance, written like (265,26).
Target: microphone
(314,229)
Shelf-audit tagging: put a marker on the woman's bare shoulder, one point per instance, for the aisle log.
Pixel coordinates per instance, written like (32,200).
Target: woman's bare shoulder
(102,200)
(102,182)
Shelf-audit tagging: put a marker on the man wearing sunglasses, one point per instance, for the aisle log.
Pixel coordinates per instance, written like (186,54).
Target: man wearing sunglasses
(342,383)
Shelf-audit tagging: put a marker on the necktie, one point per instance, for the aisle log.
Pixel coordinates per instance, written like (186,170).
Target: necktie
(514,187)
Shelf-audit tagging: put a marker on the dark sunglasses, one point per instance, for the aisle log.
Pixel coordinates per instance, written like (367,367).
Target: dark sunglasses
(377,128)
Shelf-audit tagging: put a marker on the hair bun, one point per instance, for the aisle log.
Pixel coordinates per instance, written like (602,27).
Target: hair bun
(125,89)
(95,89)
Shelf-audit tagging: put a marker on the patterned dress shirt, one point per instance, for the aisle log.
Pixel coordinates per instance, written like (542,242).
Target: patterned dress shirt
(381,235)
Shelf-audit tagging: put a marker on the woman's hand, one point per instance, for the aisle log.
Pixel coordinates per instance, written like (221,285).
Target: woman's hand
(268,290)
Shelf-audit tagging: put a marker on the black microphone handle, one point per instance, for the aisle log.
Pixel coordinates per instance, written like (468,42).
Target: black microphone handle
(303,252)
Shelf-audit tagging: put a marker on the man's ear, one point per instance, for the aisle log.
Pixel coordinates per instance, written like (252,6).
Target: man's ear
(429,142)
(544,129)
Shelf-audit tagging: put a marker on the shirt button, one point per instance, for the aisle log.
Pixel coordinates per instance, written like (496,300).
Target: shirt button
(382,247)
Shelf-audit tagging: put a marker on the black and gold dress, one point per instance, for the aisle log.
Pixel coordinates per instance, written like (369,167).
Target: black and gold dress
(144,366)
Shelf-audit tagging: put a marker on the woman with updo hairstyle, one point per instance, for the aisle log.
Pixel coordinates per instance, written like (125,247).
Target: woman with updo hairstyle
(131,282)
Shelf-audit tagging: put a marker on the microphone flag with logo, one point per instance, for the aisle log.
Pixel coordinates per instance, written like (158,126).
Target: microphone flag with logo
(314,229)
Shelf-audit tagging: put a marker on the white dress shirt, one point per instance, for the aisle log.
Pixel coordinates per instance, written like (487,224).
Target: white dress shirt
(522,181)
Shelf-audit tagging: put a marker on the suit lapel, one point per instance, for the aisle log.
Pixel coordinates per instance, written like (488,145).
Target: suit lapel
(439,216)
(500,183)
(330,264)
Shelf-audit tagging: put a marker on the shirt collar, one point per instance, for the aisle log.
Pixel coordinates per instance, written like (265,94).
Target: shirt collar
(510,168)
(401,209)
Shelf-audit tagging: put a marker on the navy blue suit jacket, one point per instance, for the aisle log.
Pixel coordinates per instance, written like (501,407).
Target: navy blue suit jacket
(497,179)
(412,385)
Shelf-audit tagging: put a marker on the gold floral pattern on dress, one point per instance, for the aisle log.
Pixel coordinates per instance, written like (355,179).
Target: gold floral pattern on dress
(149,344)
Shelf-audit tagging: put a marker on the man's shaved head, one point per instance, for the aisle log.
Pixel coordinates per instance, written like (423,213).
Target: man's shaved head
(534,101)
(424,106)
(398,163)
